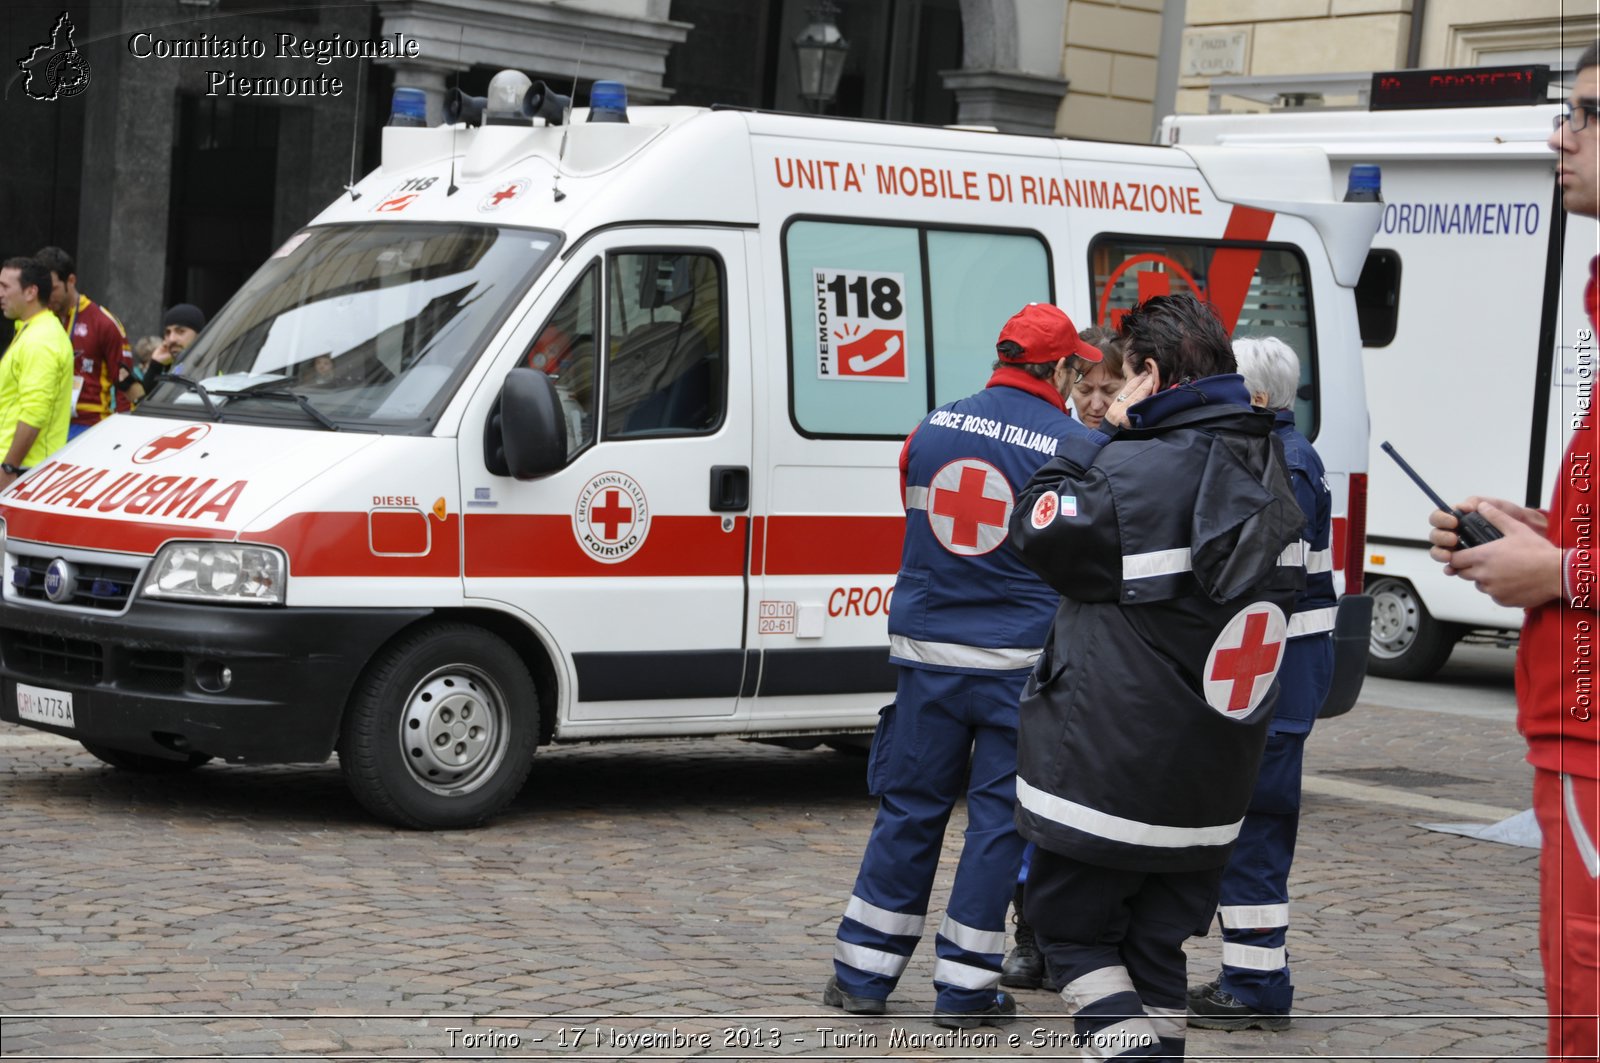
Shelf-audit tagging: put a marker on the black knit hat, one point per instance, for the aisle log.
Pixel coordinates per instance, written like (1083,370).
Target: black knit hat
(186,314)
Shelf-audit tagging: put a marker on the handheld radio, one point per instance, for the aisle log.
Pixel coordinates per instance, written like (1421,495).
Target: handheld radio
(1473,529)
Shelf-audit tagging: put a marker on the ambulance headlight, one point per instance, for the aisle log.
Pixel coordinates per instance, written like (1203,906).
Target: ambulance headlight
(228,573)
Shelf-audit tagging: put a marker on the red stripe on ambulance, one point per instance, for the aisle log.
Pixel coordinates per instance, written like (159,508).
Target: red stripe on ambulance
(99,533)
(338,544)
(820,546)
(542,544)
(1232,267)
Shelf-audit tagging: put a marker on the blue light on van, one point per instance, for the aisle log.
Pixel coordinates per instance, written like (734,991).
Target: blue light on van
(409,107)
(608,102)
(1365,184)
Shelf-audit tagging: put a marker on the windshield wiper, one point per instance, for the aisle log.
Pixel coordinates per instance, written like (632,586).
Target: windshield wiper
(196,387)
(274,389)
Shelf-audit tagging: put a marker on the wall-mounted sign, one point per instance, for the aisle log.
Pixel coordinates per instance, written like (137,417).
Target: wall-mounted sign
(1208,53)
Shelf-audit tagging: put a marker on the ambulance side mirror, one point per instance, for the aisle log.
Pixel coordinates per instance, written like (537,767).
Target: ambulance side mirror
(525,434)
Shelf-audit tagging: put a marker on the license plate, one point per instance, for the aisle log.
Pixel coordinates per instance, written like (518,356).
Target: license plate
(39,705)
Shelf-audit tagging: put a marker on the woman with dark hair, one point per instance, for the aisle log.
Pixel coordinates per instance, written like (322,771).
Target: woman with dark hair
(1142,725)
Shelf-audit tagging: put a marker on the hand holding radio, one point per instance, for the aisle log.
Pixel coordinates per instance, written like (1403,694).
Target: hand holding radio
(1472,528)
(1520,569)
(1446,536)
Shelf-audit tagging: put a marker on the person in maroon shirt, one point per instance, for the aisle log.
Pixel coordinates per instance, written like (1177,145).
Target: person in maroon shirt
(100,353)
(1546,564)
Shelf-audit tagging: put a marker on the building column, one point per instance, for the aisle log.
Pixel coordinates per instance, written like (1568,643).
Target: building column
(1010,101)
(430,77)
(130,128)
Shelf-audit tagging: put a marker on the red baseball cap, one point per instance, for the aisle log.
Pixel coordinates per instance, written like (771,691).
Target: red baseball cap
(1046,334)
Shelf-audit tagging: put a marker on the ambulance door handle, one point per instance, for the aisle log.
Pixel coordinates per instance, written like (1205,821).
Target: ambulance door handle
(730,488)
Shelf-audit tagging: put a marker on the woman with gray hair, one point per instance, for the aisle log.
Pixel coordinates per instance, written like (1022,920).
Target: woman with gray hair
(1254,988)
(1271,371)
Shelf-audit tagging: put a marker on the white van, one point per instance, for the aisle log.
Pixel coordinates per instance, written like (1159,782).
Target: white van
(590,431)
(1471,308)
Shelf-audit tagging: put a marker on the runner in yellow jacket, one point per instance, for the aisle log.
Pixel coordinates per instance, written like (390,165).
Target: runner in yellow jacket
(35,374)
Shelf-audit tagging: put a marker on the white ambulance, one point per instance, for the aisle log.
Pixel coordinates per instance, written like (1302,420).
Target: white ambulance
(555,433)
(1472,322)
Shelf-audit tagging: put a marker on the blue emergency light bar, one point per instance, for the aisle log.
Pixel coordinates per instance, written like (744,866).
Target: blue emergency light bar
(608,102)
(409,107)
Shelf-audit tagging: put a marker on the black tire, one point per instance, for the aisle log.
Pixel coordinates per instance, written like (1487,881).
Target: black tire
(145,763)
(1407,642)
(472,700)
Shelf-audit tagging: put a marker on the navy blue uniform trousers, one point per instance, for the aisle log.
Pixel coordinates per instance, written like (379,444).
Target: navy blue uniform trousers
(945,733)
(1114,939)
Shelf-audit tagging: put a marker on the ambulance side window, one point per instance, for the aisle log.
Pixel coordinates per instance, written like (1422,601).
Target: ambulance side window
(564,349)
(888,320)
(665,372)
(1259,289)
(976,281)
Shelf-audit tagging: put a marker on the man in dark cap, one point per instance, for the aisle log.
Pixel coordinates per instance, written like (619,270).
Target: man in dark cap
(180,327)
(966,624)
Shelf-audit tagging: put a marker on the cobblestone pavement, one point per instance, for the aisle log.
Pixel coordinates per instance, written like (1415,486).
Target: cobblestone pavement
(678,900)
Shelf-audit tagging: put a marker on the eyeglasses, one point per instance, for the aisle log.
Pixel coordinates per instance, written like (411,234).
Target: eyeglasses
(1577,118)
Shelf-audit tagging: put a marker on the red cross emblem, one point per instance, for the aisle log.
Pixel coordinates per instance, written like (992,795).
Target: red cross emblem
(1045,510)
(165,446)
(1244,659)
(969,502)
(503,194)
(612,516)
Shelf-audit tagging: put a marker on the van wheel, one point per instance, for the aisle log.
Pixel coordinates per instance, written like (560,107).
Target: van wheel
(1407,642)
(145,763)
(441,729)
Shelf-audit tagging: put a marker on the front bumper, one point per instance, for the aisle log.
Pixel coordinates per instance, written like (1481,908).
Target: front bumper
(148,680)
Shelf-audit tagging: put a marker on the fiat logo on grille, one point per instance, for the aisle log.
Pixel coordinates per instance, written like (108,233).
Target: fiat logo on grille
(59,580)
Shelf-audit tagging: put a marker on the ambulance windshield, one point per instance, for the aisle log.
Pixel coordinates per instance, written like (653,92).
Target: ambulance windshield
(373,325)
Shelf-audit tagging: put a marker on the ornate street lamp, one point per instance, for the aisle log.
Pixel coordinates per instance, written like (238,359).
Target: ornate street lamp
(819,54)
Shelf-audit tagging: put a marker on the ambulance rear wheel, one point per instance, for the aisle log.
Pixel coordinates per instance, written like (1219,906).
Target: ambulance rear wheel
(441,729)
(145,763)
(1407,642)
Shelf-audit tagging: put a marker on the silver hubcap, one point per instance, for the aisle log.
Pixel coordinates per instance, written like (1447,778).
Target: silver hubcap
(453,730)
(1396,618)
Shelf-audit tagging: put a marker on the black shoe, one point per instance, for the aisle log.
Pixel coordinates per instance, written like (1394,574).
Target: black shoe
(1217,1009)
(1003,1013)
(1023,967)
(1205,988)
(834,997)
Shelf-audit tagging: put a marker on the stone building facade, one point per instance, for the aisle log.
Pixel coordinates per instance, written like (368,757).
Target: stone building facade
(168,190)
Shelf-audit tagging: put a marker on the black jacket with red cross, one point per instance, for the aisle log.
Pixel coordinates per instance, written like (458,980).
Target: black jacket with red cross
(1176,548)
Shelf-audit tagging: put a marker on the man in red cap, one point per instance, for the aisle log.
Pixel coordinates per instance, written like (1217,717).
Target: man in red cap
(966,624)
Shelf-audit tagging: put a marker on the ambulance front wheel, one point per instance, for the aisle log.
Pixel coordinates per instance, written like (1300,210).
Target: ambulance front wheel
(441,729)
(1407,642)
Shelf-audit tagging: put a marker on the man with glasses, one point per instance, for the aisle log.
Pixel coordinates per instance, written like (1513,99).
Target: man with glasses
(1546,564)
